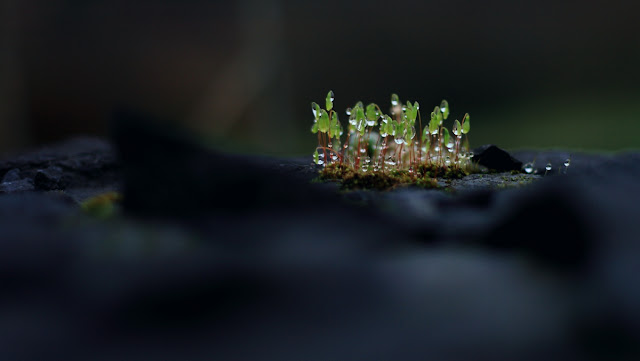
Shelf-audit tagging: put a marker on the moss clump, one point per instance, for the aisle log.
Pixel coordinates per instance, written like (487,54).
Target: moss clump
(383,151)
(102,206)
(424,176)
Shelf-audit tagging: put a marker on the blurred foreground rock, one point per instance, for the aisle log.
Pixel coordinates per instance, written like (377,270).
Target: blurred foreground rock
(232,257)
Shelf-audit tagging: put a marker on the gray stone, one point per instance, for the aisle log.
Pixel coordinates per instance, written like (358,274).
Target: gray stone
(11,176)
(22,185)
(51,178)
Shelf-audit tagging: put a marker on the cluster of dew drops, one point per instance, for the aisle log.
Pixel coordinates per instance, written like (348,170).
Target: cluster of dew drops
(529,167)
(436,156)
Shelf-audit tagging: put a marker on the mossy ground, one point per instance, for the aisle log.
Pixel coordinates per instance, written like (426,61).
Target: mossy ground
(425,176)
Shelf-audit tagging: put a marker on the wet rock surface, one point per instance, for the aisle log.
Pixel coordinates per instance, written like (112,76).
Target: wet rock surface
(218,256)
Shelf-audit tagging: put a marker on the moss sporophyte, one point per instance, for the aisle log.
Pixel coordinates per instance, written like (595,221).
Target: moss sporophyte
(381,150)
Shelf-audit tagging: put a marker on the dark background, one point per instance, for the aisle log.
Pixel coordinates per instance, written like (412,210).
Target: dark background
(531,73)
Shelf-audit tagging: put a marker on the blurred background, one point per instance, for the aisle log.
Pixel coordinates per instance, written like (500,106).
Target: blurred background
(561,74)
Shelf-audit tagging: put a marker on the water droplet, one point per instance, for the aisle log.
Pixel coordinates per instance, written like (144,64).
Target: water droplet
(321,155)
(363,150)
(367,160)
(399,141)
(394,102)
(330,145)
(383,134)
(404,108)
(364,168)
(345,146)
(470,154)
(528,168)
(450,145)
(447,160)
(548,167)
(320,161)
(371,123)
(443,109)
(334,158)
(390,161)
(567,162)
(348,111)
(436,148)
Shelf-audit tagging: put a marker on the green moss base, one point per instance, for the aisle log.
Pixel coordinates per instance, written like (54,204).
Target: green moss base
(425,176)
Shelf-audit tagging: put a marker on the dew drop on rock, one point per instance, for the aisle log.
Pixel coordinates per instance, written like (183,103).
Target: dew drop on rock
(528,168)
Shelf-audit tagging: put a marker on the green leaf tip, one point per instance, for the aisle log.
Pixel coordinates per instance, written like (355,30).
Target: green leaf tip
(457,128)
(323,121)
(466,124)
(395,100)
(329,100)
(444,108)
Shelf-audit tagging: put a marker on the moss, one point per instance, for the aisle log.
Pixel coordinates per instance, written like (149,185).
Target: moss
(103,205)
(425,176)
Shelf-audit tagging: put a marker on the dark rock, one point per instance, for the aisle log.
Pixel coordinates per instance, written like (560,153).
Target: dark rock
(166,172)
(249,260)
(495,158)
(52,178)
(21,185)
(76,164)
(532,223)
(11,176)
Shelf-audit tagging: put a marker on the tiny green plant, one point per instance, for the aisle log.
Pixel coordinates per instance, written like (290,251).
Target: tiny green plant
(381,150)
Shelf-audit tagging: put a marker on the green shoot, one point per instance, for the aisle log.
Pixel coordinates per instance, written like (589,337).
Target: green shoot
(378,146)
